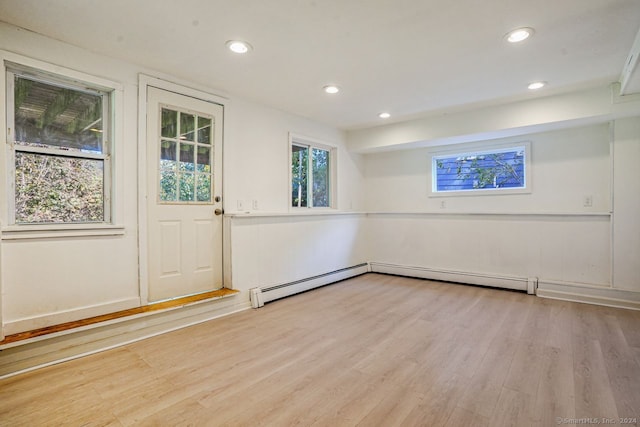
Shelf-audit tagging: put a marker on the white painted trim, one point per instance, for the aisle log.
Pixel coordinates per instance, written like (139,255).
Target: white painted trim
(227,251)
(82,230)
(514,214)
(52,350)
(143,253)
(144,82)
(36,322)
(611,201)
(473,278)
(309,212)
(271,293)
(589,294)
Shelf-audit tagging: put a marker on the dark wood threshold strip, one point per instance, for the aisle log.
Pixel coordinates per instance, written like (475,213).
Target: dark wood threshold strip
(20,336)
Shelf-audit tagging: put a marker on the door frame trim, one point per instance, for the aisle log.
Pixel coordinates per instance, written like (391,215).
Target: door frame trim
(144,82)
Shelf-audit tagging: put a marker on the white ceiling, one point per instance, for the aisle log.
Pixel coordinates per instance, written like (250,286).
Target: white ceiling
(407,57)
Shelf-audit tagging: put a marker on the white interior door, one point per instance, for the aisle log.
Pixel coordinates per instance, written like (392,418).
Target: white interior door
(184,190)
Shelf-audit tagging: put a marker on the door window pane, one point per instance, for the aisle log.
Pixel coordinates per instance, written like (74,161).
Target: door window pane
(169,126)
(204,188)
(187,160)
(204,130)
(204,159)
(168,186)
(187,187)
(168,155)
(187,126)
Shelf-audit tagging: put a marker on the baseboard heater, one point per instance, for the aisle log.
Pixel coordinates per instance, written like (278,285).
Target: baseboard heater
(528,284)
(262,295)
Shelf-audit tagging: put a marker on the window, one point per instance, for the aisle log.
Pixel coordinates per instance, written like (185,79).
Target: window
(60,153)
(185,157)
(503,169)
(312,175)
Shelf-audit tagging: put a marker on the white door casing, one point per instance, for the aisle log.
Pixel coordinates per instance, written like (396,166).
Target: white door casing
(184,189)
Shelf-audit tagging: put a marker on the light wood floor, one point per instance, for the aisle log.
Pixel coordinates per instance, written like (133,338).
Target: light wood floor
(372,351)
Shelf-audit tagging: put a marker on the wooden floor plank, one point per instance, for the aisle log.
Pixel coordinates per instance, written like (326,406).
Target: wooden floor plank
(622,367)
(369,351)
(593,393)
(514,408)
(555,394)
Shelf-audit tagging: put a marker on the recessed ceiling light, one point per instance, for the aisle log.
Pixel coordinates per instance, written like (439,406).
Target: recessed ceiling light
(238,46)
(384,115)
(518,35)
(536,85)
(331,89)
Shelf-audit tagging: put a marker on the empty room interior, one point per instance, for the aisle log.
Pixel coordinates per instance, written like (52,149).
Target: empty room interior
(328,213)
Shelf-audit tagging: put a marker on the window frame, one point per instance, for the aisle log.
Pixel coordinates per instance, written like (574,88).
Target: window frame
(310,143)
(475,150)
(113,185)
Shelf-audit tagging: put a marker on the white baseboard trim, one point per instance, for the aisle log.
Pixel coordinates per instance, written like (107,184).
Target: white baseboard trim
(271,293)
(589,294)
(473,278)
(59,348)
(37,322)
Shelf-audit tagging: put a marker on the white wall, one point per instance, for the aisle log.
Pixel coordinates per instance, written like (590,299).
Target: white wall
(548,234)
(274,250)
(566,166)
(256,159)
(55,279)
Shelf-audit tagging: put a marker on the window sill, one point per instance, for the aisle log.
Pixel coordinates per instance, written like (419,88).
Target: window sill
(51,231)
(481,193)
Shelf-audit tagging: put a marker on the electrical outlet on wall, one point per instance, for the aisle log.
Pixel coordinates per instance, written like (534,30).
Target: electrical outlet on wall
(443,204)
(587,201)
(240,205)
(254,205)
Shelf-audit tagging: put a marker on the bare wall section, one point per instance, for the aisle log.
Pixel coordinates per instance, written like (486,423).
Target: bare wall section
(548,233)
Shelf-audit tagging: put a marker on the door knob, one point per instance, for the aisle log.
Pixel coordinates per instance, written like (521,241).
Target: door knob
(218,211)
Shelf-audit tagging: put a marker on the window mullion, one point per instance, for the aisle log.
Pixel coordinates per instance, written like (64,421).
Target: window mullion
(309,176)
(107,150)
(11,162)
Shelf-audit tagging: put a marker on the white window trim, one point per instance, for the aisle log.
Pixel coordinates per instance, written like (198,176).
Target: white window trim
(301,140)
(476,148)
(114,182)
